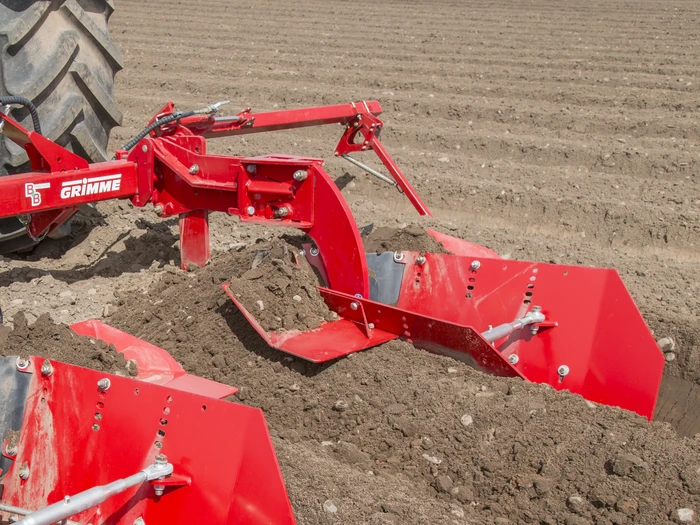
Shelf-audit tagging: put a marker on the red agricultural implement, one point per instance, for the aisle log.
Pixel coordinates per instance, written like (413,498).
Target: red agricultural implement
(573,328)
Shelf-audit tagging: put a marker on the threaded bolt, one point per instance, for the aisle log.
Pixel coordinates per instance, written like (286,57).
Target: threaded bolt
(194,169)
(47,368)
(104,384)
(300,175)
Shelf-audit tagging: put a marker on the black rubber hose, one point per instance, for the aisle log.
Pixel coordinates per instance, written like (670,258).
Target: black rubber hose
(21,101)
(158,123)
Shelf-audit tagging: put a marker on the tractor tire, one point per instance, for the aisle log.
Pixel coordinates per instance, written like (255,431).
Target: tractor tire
(58,54)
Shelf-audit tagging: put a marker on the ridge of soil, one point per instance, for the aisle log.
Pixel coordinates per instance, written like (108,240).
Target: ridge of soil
(411,238)
(280,289)
(45,338)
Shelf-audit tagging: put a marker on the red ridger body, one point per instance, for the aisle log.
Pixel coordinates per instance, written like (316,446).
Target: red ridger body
(573,328)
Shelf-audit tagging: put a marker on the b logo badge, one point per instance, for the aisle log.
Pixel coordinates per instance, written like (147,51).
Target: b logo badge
(32,193)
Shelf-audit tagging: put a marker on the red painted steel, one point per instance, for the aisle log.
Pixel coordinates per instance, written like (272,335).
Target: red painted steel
(330,341)
(424,331)
(194,238)
(75,436)
(600,335)
(362,134)
(249,122)
(39,192)
(155,365)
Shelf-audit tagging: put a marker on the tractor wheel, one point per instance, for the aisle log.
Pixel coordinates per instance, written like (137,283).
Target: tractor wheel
(58,54)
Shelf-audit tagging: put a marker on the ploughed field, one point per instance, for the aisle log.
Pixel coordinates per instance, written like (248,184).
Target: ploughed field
(548,131)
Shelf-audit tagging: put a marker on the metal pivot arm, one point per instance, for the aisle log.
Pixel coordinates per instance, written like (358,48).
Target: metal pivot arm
(360,121)
(505,329)
(72,505)
(362,134)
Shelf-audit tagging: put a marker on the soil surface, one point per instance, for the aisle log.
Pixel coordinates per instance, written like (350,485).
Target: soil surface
(556,131)
(410,238)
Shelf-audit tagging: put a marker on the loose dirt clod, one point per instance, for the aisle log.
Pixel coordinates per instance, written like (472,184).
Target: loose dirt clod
(47,339)
(411,238)
(280,289)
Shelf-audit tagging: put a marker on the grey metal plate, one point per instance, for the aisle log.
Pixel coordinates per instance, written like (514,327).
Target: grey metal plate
(14,386)
(385,276)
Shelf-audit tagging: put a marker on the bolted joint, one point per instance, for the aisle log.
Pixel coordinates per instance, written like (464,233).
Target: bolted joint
(250,168)
(354,305)
(300,175)
(159,489)
(513,359)
(282,212)
(194,169)
(563,371)
(46,368)
(11,449)
(22,364)
(398,256)
(159,210)
(475,265)
(24,471)
(250,210)
(420,260)
(104,384)
(314,252)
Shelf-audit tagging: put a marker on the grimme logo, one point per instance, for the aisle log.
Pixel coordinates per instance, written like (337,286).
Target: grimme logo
(92,186)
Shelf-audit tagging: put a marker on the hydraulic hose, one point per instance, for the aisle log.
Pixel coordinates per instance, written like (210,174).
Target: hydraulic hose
(209,110)
(158,123)
(25,102)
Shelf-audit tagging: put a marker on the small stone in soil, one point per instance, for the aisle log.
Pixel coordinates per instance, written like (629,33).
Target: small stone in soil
(328,506)
(466,420)
(132,367)
(666,344)
(685,514)
(340,406)
(432,459)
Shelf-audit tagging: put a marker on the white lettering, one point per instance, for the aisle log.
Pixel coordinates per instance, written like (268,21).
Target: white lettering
(92,186)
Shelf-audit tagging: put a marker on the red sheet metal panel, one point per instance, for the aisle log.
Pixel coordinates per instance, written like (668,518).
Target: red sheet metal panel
(600,335)
(155,365)
(75,436)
